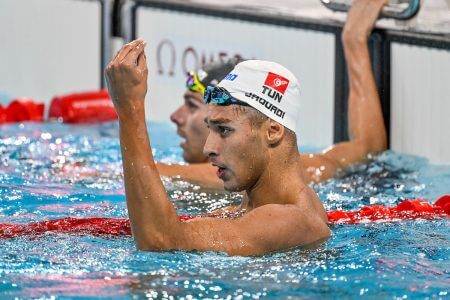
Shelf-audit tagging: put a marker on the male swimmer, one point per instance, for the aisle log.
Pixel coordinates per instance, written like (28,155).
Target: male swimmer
(252,142)
(365,122)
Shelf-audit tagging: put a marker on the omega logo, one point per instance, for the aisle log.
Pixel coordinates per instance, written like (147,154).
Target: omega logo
(191,58)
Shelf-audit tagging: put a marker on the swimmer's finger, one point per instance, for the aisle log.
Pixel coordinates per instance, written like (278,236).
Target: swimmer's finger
(133,54)
(142,62)
(122,54)
(115,56)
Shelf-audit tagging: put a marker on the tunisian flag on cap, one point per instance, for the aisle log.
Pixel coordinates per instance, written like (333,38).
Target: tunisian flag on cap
(277,82)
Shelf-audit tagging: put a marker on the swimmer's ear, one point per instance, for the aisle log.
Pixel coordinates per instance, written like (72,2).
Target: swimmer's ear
(275,132)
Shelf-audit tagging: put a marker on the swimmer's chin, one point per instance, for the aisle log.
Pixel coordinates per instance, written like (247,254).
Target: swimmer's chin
(231,188)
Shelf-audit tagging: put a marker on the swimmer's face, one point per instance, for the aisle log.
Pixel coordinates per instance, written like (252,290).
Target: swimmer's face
(189,118)
(235,146)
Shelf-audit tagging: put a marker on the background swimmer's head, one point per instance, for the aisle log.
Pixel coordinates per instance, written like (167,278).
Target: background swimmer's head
(189,117)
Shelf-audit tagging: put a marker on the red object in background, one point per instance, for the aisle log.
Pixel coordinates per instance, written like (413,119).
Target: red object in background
(406,210)
(444,204)
(2,114)
(375,212)
(22,109)
(92,226)
(417,206)
(88,107)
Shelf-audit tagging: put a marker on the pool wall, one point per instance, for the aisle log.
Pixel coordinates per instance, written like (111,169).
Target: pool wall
(64,45)
(420,101)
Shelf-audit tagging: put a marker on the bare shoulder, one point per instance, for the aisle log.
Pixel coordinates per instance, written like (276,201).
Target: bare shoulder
(268,228)
(287,214)
(293,224)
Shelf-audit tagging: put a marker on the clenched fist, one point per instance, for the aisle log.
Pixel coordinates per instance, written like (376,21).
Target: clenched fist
(126,77)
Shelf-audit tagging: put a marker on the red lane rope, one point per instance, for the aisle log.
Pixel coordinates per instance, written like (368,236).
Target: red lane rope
(406,210)
(91,226)
(86,107)
(22,109)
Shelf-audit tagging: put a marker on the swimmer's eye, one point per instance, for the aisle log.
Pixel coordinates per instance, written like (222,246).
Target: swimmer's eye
(192,107)
(224,131)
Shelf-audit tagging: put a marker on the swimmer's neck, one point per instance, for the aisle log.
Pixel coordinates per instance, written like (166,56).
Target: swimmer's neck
(280,183)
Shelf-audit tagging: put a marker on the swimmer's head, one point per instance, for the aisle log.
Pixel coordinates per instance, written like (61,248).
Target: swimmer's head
(252,116)
(189,117)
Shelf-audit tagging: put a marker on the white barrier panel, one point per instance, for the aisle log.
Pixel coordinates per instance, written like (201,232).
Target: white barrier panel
(178,42)
(49,47)
(420,101)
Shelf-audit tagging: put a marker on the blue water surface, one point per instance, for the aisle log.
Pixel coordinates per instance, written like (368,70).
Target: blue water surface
(50,171)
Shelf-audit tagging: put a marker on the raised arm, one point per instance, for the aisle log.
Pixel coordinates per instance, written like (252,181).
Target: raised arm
(149,209)
(365,119)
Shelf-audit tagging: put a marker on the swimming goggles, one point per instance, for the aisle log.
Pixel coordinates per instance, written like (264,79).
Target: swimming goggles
(219,95)
(194,84)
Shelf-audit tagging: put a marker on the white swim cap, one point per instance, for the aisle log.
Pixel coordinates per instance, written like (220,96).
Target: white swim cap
(268,87)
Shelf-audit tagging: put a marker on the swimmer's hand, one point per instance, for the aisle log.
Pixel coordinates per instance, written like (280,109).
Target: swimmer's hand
(361,20)
(126,77)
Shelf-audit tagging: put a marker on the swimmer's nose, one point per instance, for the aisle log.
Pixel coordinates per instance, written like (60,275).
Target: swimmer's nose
(210,149)
(178,116)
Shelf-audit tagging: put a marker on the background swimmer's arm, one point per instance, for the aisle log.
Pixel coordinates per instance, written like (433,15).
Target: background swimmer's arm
(365,119)
(152,215)
(202,174)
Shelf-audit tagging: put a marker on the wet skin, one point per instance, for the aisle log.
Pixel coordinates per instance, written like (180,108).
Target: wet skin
(260,165)
(278,216)
(280,213)
(239,163)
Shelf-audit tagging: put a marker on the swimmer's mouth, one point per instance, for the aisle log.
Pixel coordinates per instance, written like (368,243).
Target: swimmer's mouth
(221,171)
(183,136)
(183,143)
(181,133)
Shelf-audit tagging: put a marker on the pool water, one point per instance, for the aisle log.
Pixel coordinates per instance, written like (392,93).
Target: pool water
(49,171)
